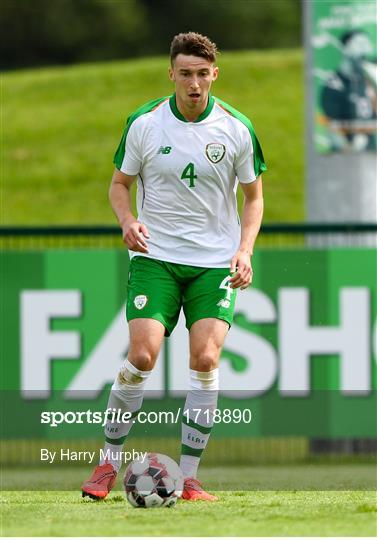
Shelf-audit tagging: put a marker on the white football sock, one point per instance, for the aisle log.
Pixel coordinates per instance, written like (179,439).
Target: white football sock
(111,454)
(189,466)
(126,395)
(197,420)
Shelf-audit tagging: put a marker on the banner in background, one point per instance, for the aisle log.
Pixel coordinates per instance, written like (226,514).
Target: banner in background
(300,355)
(344,48)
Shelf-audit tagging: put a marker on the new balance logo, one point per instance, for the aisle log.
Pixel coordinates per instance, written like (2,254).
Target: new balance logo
(223,303)
(164,150)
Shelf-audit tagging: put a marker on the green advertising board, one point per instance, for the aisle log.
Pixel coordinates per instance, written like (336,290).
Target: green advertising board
(300,359)
(344,74)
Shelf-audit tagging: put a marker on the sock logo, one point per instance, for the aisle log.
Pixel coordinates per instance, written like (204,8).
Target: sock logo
(195,439)
(140,301)
(112,429)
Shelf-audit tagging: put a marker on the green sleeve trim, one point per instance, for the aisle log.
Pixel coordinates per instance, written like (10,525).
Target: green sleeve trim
(146,108)
(190,423)
(188,451)
(259,163)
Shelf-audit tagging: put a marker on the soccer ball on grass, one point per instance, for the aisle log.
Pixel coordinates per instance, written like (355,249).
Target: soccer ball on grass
(156,481)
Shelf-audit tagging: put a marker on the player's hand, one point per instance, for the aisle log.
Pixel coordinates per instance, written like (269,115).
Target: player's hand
(134,235)
(241,265)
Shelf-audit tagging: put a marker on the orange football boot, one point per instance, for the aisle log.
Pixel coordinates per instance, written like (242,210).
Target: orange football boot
(193,491)
(100,483)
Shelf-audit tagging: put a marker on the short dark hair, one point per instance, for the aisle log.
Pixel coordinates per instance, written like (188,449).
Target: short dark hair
(192,43)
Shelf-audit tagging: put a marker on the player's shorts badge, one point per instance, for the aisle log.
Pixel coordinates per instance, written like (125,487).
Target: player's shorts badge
(215,152)
(140,301)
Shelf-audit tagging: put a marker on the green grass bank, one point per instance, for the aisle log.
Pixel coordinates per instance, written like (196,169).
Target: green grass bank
(61,127)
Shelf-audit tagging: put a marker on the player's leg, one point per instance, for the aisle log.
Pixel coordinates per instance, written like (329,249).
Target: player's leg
(206,340)
(127,392)
(153,304)
(209,305)
(126,396)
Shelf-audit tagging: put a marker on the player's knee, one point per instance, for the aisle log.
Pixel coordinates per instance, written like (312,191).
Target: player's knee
(142,359)
(204,361)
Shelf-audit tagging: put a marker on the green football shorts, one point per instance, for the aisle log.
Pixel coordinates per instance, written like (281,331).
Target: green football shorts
(158,290)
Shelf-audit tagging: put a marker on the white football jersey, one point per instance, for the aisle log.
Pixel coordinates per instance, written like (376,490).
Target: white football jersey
(187,178)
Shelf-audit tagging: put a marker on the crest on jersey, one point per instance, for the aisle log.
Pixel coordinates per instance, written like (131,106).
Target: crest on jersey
(140,301)
(215,152)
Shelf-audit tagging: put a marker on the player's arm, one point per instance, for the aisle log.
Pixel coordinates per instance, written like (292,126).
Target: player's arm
(134,232)
(250,224)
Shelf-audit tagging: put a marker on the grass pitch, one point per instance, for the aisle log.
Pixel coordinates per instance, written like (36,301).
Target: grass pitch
(237,513)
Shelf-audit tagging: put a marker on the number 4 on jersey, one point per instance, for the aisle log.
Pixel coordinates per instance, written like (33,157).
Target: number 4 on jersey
(189,174)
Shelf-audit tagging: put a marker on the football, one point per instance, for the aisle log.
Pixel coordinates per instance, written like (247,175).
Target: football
(155,481)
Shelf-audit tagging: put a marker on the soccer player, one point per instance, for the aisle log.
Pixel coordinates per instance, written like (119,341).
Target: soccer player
(188,247)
